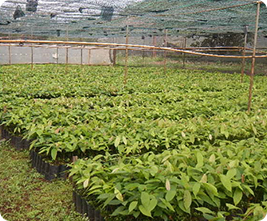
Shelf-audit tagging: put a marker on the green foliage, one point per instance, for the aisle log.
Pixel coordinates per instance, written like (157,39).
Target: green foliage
(178,189)
(163,146)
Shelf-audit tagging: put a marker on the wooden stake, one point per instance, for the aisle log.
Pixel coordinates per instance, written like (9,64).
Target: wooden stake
(57,55)
(81,56)
(253,56)
(243,54)
(126,56)
(165,52)
(31,52)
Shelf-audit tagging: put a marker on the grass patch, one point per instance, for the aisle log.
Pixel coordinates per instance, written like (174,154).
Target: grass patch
(26,195)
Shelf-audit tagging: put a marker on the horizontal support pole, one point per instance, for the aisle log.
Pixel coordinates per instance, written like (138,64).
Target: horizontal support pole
(129,46)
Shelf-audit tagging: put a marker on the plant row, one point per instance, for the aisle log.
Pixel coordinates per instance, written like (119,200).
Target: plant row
(174,146)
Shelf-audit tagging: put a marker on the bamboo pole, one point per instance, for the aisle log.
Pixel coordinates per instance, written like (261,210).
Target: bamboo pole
(126,56)
(31,52)
(56,68)
(67,51)
(21,41)
(184,53)
(243,54)
(165,52)
(57,55)
(253,56)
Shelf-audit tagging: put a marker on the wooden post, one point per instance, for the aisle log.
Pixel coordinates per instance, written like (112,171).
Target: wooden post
(9,54)
(253,56)
(56,66)
(67,59)
(114,56)
(165,52)
(57,55)
(126,56)
(184,53)
(67,51)
(244,53)
(31,52)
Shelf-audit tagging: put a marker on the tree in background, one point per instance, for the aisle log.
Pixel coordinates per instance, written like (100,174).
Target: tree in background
(226,39)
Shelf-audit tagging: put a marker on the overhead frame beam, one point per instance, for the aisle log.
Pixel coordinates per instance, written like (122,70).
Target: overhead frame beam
(21,41)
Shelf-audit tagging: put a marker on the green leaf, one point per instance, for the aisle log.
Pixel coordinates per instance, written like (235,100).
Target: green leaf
(144,211)
(196,188)
(108,200)
(254,129)
(132,206)
(210,188)
(204,179)
(231,173)
(212,158)
(118,211)
(205,210)
(248,189)
(231,207)
(170,195)
(124,140)
(154,170)
(136,214)
(54,154)
(118,194)
(238,194)
(85,183)
(145,199)
(199,160)
(166,203)
(226,182)
(187,199)
(117,141)
(153,203)
(181,205)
